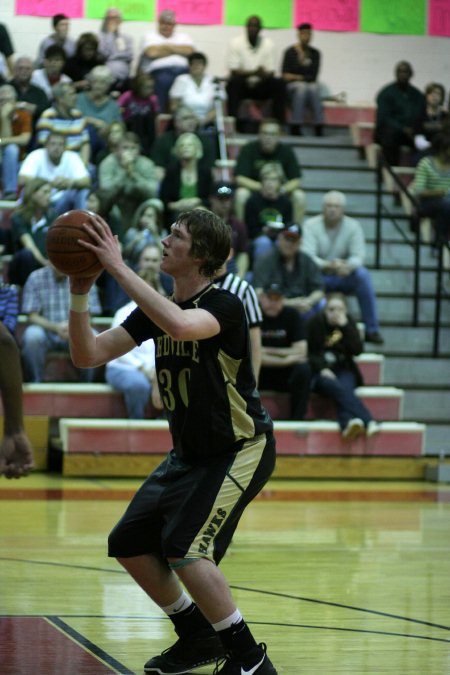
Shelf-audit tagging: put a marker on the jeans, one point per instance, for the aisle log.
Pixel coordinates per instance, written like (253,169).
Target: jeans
(134,386)
(437,208)
(341,391)
(164,78)
(36,342)
(70,199)
(357,283)
(305,95)
(10,167)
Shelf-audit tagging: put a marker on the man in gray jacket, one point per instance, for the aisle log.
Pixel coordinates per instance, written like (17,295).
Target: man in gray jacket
(336,243)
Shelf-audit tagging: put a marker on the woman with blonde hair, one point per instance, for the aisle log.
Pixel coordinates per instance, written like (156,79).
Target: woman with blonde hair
(29,226)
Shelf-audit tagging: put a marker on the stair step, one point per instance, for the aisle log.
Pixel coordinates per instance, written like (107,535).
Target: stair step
(150,437)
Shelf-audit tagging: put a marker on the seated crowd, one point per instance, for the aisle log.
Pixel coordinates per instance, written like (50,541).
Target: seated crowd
(78,132)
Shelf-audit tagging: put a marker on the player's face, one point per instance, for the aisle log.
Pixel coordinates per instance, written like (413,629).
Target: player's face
(176,258)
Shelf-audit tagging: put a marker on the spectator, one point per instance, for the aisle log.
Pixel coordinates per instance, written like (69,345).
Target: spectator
(268,148)
(59,37)
(247,294)
(139,107)
(116,48)
(162,151)
(197,91)
(251,62)
(29,226)
(9,306)
(16,455)
(294,271)
(221,202)
(127,177)
(7,51)
(432,186)
(285,364)
(29,96)
(62,168)
(300,70)
(134,373)
(46,299)
(51,73)
(64,118)
(86,57)
(400,107)
(266,211)
(336,243)
(112,296)
(187,183)
(333,342)
(99,107)
(146,229)
(164,55)
(15,134)
(113,139)
(435,118)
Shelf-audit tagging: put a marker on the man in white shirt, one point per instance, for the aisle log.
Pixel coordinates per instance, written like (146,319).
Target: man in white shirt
(63,169)
(336,244)
(251,61)
(164,55)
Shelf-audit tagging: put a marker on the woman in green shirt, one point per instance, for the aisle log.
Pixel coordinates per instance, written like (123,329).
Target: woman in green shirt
(432,185)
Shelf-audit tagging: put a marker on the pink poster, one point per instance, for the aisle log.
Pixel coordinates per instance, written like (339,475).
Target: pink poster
(339,15)
(439,17)
(195,11)
(74,9)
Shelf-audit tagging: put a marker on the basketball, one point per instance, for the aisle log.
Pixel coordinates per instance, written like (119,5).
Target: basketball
(63,249)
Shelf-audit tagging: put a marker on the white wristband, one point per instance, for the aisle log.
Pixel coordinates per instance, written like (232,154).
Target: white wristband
(79,303)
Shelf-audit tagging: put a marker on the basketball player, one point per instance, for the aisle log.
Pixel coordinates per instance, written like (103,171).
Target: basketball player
(16,457)
(181,521)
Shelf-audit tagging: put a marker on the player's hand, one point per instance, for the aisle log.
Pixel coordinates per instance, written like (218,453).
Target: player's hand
(16,455)
(104,243)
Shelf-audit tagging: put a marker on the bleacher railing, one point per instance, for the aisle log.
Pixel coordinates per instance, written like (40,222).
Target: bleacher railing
(414,220)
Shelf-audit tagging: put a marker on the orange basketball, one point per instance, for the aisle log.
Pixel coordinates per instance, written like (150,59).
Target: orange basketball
(63,249)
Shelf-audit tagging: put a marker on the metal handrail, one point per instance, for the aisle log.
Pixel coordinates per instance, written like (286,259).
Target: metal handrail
(415,226)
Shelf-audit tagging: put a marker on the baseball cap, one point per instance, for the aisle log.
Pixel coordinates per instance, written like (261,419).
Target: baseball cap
(222,190)
(293,231)
(273,289)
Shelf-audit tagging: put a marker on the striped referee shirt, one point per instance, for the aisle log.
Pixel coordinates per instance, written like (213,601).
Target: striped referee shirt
(246,294)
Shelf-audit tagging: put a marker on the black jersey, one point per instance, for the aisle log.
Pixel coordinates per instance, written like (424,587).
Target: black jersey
(207,386)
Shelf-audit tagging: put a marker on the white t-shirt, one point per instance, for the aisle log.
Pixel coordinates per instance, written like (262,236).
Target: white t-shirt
(243,56)
(200,99)
(174,60)
(39,79)
(142,355)
(38,165)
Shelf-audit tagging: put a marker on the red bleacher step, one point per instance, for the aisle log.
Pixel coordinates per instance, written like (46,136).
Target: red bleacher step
(110,437)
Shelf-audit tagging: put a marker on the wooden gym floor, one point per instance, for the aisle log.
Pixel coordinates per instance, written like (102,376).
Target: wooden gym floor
(336,577)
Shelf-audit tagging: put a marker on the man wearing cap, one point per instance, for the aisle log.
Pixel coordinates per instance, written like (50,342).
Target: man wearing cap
(164,55)
(268,148)
(221,202)
(300,69)
(251,61)
(336,243)
(294,271)
(285,365)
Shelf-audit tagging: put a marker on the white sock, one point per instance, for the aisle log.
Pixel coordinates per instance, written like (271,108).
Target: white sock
(183,602)
(234,618)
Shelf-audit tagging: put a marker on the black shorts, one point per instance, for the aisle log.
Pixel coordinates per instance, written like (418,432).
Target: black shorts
(192,511)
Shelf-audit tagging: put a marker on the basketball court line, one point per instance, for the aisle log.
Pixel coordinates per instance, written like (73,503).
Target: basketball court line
(287,596)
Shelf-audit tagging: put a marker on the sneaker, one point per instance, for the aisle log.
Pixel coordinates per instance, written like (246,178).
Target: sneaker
(376,338)
(255,662)
(354,428)
(186,654)
(373,428)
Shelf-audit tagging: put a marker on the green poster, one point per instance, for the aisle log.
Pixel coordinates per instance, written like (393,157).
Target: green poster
(132,10)
(273,14)
(403,17)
